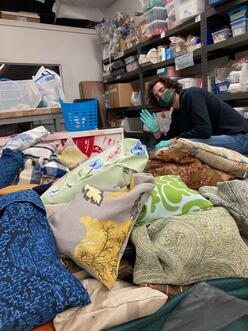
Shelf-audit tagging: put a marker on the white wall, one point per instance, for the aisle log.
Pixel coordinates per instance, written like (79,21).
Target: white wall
(74,49)
(126,6)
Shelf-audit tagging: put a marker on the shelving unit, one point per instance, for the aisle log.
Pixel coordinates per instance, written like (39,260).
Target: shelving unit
(205,58)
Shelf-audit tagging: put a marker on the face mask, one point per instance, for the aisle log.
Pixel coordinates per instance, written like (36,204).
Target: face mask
(166,99)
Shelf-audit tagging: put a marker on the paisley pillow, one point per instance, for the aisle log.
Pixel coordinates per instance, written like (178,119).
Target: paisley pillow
(171,197)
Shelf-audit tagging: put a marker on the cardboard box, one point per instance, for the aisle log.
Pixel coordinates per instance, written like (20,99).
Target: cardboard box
(120,94)
(20,16)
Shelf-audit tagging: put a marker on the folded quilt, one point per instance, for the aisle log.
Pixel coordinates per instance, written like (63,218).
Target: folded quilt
(233,196)
(193,172)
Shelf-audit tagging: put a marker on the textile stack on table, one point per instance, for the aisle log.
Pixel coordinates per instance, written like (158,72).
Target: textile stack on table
(122,240)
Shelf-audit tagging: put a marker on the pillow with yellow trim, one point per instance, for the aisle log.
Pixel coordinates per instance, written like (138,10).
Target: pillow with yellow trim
(171,197)
(93,229)
(16,188)
(216,157)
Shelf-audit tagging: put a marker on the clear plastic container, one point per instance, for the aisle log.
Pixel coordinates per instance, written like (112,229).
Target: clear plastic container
(156,14)
(221,35)
(20,94)
(238,13)
(171,22)
(148,4)
(130,59)
(185,9)
(132,66)
(155,28)
(170,9)
(239,27)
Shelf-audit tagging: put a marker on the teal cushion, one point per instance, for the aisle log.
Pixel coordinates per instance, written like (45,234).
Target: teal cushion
(171,197)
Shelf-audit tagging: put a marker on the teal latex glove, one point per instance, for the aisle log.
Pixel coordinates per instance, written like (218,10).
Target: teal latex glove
(149,120)
(164,143)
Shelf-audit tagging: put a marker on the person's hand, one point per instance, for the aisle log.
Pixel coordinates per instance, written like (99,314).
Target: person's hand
(164,143)
(149,120)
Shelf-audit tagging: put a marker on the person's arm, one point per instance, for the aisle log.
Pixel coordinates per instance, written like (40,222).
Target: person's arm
(194,105)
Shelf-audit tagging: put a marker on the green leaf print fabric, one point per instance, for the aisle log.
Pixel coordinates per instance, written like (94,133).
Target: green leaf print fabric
(171,197)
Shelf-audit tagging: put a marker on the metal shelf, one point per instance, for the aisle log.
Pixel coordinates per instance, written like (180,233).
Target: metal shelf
(233,96)
(231,43)
(124,109)
(130,51)
(122,78)
(190,26)
(222,10)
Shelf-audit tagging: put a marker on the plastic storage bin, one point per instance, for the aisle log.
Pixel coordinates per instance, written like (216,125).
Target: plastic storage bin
(238,13)
(185,9)
(221,35)
(156,14)
(20,94)
(170,9)
(222,88)
(80,116)
(148,4)
(239,27)
(132,66)
(155,28)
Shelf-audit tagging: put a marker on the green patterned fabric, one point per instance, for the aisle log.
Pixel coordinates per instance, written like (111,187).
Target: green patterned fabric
(189,248)
(233,286)
(171,197)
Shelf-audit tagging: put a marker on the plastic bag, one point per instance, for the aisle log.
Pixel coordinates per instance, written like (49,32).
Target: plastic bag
(50,86)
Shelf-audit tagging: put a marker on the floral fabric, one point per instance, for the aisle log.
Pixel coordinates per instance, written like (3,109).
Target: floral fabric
(113,167)
(98,223)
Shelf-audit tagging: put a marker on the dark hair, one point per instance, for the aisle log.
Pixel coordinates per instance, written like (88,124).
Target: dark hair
(167,82)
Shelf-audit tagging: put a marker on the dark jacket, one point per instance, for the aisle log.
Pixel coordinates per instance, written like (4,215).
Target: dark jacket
(202,114)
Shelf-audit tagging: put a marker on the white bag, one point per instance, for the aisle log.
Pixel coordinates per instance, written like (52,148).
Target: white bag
(50,86)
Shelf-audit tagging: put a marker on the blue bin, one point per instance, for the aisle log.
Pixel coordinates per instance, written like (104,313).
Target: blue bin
(80,116)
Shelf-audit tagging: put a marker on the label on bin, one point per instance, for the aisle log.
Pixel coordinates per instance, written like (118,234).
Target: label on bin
(184,61)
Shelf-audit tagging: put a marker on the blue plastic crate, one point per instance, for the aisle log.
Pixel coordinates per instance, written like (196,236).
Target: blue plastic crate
(80,116)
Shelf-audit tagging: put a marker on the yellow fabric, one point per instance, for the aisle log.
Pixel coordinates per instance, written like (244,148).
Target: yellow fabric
(16,188)
(70,155)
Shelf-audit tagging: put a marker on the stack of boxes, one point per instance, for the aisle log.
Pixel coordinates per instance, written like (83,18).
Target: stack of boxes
(155,16)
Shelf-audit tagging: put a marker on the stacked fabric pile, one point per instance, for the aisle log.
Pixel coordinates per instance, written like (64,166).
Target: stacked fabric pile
(188,245)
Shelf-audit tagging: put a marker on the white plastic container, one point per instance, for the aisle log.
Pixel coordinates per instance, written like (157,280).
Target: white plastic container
(221,35)
(156,13)
(239,27)
(185,9)
(18,95)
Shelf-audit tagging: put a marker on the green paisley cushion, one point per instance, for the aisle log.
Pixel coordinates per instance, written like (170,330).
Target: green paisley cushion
(171,197)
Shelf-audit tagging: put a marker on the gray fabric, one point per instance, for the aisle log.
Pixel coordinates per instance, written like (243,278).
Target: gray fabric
(232,195)
(205,308)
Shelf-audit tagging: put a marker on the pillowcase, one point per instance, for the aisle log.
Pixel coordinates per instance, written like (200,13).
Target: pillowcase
(27,138)
(113,167)
(98,223)
(34,284)
(194,173)
(124,303)
(41,150)
(171,197)
(217,157)
(70,155)
(190,248)
(54,168)
(11,163)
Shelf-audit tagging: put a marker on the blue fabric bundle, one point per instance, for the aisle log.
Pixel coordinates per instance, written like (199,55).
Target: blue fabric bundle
(34,284)
(10,164)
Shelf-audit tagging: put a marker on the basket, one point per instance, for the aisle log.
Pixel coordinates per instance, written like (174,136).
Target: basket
(80,116)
